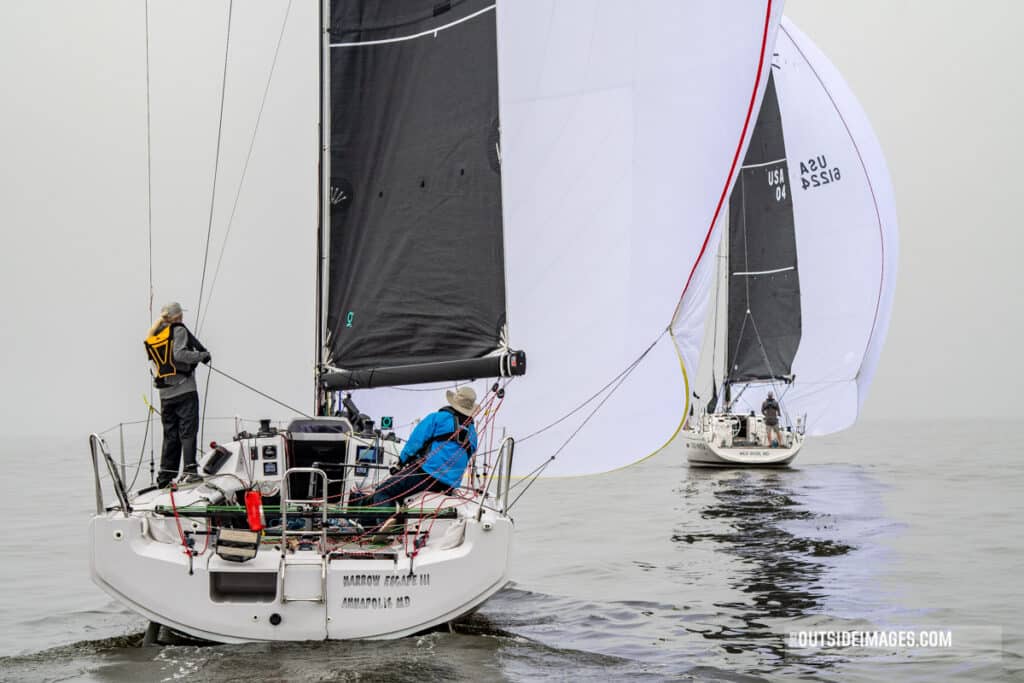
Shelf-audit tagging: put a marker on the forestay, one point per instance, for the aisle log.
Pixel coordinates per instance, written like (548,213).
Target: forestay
(846,236)
(621,126)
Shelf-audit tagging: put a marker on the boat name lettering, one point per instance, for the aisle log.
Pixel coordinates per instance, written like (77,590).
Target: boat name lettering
(378,602)
(407,580)
(389,581)
(361,580)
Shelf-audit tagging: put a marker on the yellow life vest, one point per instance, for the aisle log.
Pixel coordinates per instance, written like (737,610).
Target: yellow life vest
(160,350)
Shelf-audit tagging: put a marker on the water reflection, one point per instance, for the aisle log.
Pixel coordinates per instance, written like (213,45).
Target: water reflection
(780,550)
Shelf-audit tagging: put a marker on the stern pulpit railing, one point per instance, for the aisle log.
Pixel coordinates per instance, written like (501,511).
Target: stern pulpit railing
(98,449)
(501,476)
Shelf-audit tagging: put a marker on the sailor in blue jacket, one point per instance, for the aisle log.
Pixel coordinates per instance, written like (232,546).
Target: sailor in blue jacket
(436,453)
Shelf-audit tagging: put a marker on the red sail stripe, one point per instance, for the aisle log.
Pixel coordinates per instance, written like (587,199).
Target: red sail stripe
(736,156)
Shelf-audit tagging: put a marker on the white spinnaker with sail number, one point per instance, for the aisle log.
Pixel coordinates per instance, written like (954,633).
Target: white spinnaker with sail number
(846,235)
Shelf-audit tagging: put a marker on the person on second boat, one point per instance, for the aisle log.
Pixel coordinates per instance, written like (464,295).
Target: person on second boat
(436,454)
(770,410)
(175,353)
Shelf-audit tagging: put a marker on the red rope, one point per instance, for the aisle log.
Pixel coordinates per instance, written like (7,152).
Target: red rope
(206,544)
(487,427)
(486,423)
(177,521)
(448,462)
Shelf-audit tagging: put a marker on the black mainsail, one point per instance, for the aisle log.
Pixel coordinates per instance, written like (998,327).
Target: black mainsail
(415,282)
(764,288)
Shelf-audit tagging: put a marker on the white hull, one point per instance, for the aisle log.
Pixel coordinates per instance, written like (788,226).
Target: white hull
(708,445)
(440,559)
(357,598)
(700,453)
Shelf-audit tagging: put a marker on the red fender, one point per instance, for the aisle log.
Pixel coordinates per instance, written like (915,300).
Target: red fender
(254,510)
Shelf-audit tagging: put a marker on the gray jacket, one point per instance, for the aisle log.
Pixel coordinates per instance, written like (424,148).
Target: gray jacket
(179,385)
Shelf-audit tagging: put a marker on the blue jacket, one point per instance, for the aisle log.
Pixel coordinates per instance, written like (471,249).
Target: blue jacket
(447,459)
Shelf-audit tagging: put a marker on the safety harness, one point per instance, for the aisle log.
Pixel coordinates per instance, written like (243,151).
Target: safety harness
(459,435)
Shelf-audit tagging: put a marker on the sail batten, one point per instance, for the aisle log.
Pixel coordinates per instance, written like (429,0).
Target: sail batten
(429,32)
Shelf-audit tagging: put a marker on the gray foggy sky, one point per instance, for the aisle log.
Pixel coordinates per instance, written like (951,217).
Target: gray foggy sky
(940,84)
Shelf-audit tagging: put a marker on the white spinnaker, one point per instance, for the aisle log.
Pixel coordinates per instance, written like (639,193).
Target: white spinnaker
(619,124)
(846,232)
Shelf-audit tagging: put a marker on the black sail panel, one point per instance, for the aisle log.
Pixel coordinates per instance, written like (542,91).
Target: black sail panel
(764,287)
(416,259)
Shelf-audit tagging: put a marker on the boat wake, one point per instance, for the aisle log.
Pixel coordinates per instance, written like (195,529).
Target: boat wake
(479,647)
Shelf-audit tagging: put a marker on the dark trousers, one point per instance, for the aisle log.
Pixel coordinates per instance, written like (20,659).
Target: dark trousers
(393,490)
(180,419)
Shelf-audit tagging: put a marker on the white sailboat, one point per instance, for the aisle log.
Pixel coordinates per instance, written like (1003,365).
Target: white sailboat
(806,271)
(438,229)
(269,546)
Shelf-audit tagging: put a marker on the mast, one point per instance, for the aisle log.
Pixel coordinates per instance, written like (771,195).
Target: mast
(323,201)
(722,304)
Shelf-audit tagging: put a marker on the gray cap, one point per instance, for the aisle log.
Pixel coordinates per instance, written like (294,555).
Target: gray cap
(172,309)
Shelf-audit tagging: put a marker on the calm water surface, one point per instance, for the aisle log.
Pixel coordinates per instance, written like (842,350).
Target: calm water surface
(658,572)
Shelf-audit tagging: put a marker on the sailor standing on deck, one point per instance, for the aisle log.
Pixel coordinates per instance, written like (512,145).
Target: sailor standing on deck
(770,410)
(175,353)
